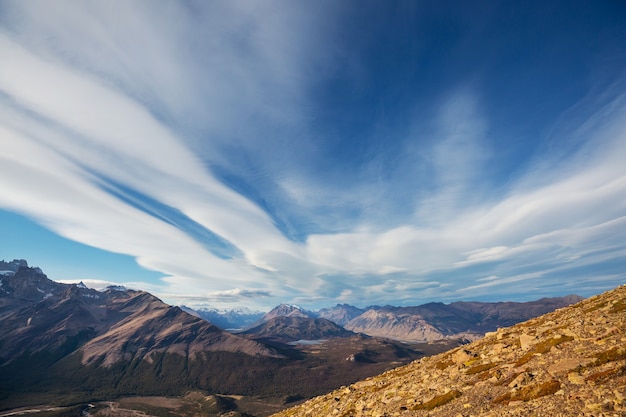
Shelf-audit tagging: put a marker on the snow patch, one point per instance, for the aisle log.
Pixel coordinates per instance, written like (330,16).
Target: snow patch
(116,288)
(95,296)
(7,273)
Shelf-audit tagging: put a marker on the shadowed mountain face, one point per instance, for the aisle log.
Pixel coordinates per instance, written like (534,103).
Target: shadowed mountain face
(39,314)
(67,344)
(571,362)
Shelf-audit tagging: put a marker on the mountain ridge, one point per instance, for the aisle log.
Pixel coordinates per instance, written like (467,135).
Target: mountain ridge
(293,328)
(574,355)
(65,342)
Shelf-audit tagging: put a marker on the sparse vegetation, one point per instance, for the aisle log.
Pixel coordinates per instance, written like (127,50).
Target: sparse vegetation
(484,375)
(542,347)
(476,369)
(530,392)
(606,374)
(618,306)
(439,400)
(611,355)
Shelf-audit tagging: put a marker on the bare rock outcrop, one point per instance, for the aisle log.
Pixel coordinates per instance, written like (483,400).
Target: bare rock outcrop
(571,362)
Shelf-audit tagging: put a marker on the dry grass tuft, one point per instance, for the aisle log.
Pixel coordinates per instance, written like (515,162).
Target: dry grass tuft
(618,306)
(611,355)
(606,375)
(438,401)
(530,392)
(480,368)
(542,347)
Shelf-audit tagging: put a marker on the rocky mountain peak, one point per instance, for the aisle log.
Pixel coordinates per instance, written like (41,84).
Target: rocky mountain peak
(288,310)
(26,283)
(295,327)
(341,313)
(570,362)
(14,265)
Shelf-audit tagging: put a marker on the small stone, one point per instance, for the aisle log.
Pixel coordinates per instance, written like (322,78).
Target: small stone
(521,379)
(497,348)
(576,378)
(461,356)
(568,364)
(526,341)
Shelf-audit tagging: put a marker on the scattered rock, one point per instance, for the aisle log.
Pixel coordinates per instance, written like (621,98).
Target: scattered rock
(567,363)
(526,341)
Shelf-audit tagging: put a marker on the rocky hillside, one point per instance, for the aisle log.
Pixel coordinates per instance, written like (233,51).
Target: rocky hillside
(571,362)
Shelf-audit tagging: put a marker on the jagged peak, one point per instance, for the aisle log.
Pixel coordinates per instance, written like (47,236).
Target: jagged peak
(13,265)
(116,288)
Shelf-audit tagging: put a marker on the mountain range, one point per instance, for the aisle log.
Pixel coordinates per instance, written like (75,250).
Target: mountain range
(424,323)
(229,319)
(69,344)
(571,362)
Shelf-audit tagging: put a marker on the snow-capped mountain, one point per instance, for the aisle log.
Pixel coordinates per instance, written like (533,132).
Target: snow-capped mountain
(67,341)
(236,318)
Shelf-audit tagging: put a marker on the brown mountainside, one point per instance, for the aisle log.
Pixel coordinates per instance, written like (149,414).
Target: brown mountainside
(40,315)
(435,321)
(292,328)
(571,362)
(155,327)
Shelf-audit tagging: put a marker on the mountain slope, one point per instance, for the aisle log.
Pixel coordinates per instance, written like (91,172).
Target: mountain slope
(382,323)
(226,319)
(434,321)
(155,327)
(294,328)
(570,362)
(340,314)
(66,344)
(42,315)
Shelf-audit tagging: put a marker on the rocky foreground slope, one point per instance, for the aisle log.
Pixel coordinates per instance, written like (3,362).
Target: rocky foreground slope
(571,362)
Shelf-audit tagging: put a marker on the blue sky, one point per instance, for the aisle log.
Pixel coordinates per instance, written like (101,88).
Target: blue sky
(251,153)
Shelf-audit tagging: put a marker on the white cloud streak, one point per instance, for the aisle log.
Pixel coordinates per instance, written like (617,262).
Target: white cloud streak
(79,114)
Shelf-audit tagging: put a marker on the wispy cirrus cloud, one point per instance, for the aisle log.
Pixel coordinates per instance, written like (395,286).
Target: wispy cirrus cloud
(201,139)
